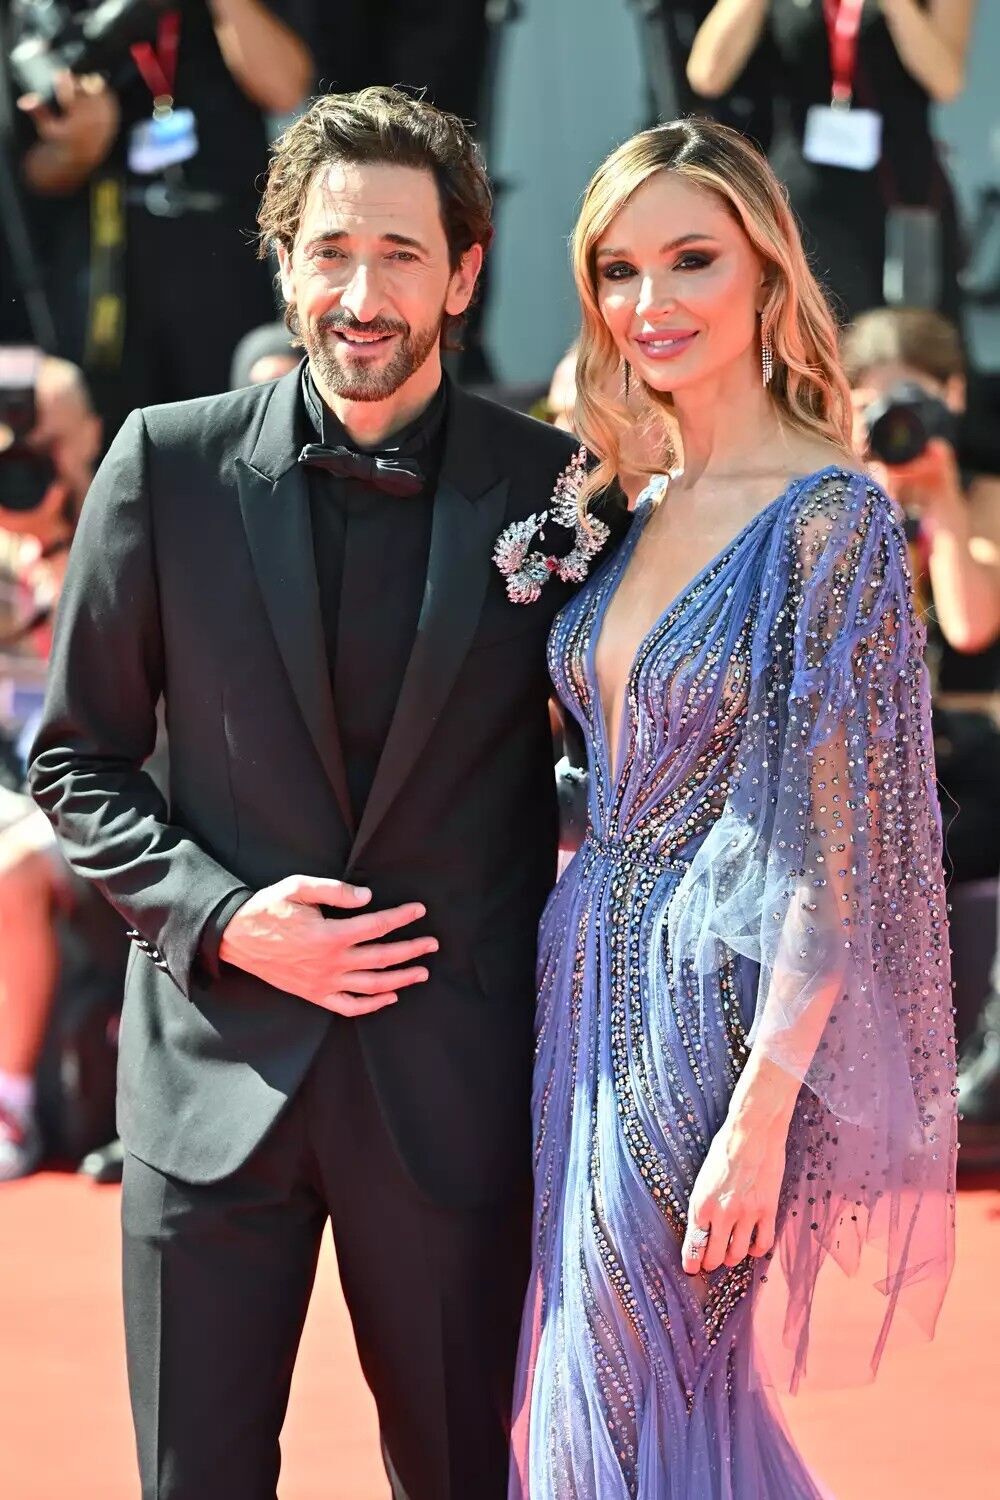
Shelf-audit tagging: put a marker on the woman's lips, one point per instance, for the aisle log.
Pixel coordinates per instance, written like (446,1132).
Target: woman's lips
(666,345)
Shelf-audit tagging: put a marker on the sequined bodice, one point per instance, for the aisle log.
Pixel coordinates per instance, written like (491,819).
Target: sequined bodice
(684,698)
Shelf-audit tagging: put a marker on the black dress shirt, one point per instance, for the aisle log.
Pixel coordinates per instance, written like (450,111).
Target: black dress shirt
(371,553)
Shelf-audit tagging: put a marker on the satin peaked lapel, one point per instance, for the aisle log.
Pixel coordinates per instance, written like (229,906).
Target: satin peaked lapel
(279,531)
(463,532)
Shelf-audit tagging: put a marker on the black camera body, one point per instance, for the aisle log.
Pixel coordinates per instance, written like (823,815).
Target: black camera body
(901,423)
(52,38)
(26,473)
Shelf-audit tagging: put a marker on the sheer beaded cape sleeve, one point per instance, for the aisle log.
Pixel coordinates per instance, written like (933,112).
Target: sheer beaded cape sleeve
(825,869)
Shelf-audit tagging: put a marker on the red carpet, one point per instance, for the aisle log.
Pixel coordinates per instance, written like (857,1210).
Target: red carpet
(930,1426)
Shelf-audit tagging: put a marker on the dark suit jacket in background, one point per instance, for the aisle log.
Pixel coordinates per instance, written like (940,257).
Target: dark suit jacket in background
(192,575)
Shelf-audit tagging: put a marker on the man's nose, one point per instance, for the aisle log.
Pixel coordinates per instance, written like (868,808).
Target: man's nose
(361,295)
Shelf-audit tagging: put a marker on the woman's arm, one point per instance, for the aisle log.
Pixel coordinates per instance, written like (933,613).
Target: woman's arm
(270,63)
(725,40)
(840,785)
(963,536)
(932,43)
(965,567)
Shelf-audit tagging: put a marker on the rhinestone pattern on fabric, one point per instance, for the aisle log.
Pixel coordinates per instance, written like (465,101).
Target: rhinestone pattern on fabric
(767,843)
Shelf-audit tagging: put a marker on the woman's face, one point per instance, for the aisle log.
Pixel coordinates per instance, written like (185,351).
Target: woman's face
(679,285)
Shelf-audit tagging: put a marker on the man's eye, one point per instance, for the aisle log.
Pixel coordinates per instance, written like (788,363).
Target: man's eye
(329,252)
(618,270)
(402,255)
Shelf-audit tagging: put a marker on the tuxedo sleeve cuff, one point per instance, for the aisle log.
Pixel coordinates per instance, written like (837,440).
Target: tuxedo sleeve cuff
(211,934)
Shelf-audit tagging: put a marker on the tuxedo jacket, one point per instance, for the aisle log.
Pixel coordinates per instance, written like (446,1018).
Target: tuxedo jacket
(192,576)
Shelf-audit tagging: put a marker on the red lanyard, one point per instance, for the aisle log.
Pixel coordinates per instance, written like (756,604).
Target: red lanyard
(843,24)
(158,65)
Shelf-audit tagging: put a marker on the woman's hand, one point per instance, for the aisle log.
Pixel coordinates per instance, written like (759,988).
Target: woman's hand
(735,1195)
(930,484)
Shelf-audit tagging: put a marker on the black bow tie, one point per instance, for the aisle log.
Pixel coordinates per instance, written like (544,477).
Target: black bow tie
(396,476)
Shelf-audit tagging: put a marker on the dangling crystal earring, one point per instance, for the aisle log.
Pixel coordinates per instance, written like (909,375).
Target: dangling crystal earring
(766,357)
(626,377)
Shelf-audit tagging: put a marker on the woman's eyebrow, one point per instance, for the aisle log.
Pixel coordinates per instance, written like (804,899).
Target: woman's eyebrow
(684,239)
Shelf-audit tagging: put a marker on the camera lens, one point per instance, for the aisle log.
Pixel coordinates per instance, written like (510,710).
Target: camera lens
(24,480)
(898,436)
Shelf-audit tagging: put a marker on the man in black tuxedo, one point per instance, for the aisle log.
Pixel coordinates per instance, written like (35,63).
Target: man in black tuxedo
(329,1001)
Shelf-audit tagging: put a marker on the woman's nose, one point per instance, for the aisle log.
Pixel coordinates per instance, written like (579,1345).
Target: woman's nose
(655,296)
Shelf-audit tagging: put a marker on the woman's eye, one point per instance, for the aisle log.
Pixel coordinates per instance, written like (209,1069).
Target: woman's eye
(618,270)
(693,261)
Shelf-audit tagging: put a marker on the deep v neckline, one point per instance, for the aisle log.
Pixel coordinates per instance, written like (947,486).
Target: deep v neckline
(624,558)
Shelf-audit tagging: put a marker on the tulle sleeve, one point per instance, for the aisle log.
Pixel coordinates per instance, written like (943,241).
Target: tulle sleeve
(825,870)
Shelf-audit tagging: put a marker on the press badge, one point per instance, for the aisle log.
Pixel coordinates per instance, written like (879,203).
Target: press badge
(161,142)
(837,136)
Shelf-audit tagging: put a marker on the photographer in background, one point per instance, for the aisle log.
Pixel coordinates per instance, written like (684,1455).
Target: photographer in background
(139,180)
(907,374)
(49,443)
(947,485)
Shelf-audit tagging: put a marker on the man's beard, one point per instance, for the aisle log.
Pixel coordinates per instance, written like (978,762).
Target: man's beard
(354,380)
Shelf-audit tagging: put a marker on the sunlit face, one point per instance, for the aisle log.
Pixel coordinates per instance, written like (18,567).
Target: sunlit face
(679,285)
(369,277)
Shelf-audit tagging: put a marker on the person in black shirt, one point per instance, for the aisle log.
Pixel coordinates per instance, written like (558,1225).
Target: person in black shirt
(883,66)
(329,1011)
(157,317)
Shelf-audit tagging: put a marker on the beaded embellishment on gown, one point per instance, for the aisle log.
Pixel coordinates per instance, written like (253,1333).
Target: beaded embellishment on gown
(771,838)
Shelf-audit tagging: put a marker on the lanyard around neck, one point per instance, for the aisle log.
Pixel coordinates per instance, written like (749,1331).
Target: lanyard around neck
(843,26)
(158,64)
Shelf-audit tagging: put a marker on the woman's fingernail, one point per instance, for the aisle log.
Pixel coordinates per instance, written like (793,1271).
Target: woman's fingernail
(362,892)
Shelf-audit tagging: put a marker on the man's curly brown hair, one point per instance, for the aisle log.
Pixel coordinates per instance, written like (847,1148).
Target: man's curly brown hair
(386,126)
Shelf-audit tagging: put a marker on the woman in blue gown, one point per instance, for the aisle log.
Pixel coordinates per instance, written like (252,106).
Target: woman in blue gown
(743,1101)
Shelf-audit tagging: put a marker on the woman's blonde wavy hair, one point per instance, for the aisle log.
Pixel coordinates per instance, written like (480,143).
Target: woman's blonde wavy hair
(808,387)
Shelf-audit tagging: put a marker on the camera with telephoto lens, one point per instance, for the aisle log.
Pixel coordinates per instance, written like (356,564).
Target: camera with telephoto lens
(50,39)
(901,423)
(26,472)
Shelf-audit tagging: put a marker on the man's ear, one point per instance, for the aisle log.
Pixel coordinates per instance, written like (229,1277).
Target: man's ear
(463,280)
(285,269)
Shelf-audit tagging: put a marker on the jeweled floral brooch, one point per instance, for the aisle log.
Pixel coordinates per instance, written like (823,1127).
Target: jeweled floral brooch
(528,571)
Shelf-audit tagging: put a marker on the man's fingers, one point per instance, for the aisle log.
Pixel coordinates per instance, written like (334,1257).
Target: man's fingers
(378,924)
(366,983)
(355,1005)
(384,955)
(315,890)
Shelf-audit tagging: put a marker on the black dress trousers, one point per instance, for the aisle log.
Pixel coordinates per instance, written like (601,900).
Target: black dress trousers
(218,1278)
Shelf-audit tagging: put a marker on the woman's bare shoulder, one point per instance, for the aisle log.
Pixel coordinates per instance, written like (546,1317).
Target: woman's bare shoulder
(805,455)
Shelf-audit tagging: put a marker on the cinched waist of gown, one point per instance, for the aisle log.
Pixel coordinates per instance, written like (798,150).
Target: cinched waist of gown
(632,851)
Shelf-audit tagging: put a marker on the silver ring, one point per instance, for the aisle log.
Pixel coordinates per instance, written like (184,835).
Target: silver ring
(697,1237)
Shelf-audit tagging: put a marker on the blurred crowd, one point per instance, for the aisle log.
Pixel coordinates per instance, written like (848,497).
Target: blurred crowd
(133,136)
